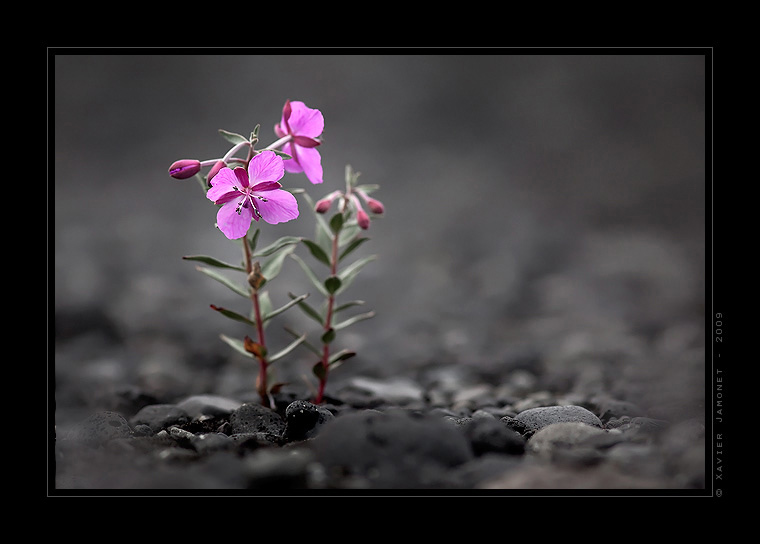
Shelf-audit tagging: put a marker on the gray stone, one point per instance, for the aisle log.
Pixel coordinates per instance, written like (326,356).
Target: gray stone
(304,419)
(102,427)
(555,439)
(159,416)
(390,451)
(198,406)
(489,435)
(252,417)
(537,418)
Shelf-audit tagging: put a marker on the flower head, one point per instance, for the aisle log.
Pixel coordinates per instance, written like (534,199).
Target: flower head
(303,125)
(246,195)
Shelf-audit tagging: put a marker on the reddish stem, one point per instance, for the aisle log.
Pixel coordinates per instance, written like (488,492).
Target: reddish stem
(262,385)
(328,321)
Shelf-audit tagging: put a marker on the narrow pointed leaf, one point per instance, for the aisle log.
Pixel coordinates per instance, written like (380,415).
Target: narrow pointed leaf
(306,344)
(223,280)
(232,137)
(233,315)
(273,266)
(236,344)
(265,306)
(277,245)
(272,313)
(349,273)
(254,240)
(311,275)
(350,231)
(290,347)
(317,252)
(306,308)
(336,223)
(351,247)
(342,355)
(211,261)
(279,153)
(319,370)
(323,236)
(352,320)
(348,305)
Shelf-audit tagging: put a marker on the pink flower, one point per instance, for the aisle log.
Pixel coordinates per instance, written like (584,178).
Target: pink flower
(252,194)
(184,168)
(304,125)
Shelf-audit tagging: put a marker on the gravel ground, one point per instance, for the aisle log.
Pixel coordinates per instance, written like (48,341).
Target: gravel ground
(539,288)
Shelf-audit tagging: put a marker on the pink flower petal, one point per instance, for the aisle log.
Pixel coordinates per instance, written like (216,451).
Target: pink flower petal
(221,184)
(292,165)
(311,162)
(266,166)
(280,206)
(305,121)
(234,225)
(266,186)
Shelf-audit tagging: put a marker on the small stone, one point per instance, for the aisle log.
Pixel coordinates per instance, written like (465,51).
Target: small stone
(198,406)
(304,419)
(489,435)
(554,439)
(211,442)
(102,427)
(256,418)
(160,416)
(537,418)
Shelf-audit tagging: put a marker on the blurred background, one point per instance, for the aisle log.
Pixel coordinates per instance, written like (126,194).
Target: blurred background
(543,211)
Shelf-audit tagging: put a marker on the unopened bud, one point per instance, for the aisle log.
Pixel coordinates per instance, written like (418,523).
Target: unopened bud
(375,206)
(214,171)
(323,205)
(255,278)
(362,219)
(185,168)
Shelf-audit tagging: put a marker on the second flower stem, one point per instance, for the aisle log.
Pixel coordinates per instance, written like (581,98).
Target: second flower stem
(328,321)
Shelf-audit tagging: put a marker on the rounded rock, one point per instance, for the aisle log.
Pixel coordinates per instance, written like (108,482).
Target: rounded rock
(253,418)
(538,418)
(160,416)
(304,419)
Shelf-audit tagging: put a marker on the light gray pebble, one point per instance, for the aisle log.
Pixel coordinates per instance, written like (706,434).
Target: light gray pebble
(160,416)
(551,439)
(537,418)
(197,406)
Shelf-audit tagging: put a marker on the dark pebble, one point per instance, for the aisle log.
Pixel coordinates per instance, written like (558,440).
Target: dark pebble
(538,418)
(101,427)
(489,435)
(256,418)
(304,419)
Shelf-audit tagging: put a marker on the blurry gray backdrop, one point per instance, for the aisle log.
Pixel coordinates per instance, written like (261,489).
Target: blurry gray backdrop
(544,204)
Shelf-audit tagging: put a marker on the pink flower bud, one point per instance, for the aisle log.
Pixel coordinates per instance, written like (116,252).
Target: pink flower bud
(185,168)
(214,171)
(375,206)
(323,205)
(363,219)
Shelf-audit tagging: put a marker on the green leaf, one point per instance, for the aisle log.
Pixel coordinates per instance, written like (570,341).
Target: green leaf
(212,262)
(328,336)
(342,355)
(265,306)
(277,245)
(351,247)
(254,240)
(284,156)
(237,345)
(368,187)
(232,137)
(336,223)
(223,280)
(307,309)
(348,305)
(311,275)
(352,320)
(319,370)
(317,252)
(332,284)
(350,231)
(349,273)
(305,343)
(290,347)
(273,266)
(255,133)
(233,315)
(270,314)
(323,236)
